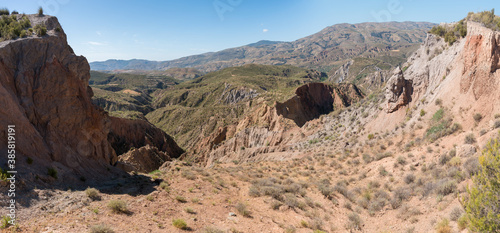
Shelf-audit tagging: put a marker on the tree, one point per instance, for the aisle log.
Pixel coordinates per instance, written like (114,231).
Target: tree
(483,203)
(40,11)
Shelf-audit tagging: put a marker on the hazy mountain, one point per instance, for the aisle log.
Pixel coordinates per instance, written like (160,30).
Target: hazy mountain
(326,50)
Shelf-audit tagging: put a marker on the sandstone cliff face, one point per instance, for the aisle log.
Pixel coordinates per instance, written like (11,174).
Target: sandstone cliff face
(398,92)
(44,92)
(125,134)
(269,129)
(145,159)
(315,99)
(463,76)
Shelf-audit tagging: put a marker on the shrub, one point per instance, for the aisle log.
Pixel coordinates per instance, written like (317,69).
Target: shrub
(40,30)
(496,125)
(4,11)
(326,190)
(477,117)
(445,187)
(5,222)
(462,222)
(165,186)
(443,159)
(455,162)
(487,18)
(188,175)
(422,113)
(410,178)
(400,194)
(101,228)
(484,196)
(367,158)
(92,193)
(212,230)
(439,102)
(438,30)
(401,160)
(470,139)
(242,209)
(40,11)
(370,136)
(29,160)
(118,206)
(382,171)
(52,172)
(354,222)
(443,226)
(180,199)
(190,211)
(180,224)
(455,213)
(471,166)
(438,115)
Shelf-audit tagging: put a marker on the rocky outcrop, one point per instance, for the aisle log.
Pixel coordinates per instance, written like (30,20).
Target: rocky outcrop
(341,73)
(236,95)
(398,92)
(315,99)
(481,58)
(125,134)
(44,92)
(145,159)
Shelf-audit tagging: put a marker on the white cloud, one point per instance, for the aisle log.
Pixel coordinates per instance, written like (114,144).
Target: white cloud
(95,43)
(265,30)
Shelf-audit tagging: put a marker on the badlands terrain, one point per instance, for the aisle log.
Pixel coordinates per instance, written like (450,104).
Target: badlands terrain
(382,133)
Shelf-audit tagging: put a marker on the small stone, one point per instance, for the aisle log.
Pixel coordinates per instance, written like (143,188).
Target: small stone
(232,214)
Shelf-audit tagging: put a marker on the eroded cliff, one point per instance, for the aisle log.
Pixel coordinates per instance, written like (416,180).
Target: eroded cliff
(45,94)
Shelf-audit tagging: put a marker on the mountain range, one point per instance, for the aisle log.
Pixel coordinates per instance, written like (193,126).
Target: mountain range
(382,45)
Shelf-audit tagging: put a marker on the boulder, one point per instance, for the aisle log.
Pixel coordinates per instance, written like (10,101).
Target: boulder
(145,159)
(398,92)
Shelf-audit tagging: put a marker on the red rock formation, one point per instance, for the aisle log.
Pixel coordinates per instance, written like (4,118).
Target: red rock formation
(481,58)
(145,159)
(398,92)
(315,99)
(44,92)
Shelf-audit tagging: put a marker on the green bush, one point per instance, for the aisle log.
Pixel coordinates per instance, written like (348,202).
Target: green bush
(92,193)
(118,206)
(52,172)
(438,30)
(354,222)
(4,11)
(470,139)
(477,117)
(40,11)
(482,204)
(11,28)
(441,126)
(451,34)
(40,30)
(487,18)
(242,209)
(101,228)
(422,113)
(5,222)
(180,223)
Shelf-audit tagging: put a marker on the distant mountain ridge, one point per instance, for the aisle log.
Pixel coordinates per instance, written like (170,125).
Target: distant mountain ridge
(326,50)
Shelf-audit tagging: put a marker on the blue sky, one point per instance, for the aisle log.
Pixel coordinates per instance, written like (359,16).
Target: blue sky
(168,29)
